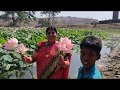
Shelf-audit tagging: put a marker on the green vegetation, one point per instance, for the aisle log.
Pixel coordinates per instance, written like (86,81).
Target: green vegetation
(11,63)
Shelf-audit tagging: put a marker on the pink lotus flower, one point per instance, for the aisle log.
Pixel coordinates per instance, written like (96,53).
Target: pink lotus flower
(64,46)
(11,44)
(61,48)
(22,49)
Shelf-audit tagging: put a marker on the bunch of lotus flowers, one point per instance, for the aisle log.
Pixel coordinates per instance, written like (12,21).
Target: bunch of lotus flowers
(62,47)
(12,44)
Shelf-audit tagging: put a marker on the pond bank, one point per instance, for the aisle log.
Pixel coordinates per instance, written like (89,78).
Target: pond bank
(111,61)
(112,68)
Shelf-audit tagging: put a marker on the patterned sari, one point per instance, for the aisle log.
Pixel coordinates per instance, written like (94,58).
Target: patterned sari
(43,60)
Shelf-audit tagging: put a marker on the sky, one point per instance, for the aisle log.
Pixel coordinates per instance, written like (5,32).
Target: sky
(99,15)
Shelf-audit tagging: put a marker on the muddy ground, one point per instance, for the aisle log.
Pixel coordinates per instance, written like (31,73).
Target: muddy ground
(110,64)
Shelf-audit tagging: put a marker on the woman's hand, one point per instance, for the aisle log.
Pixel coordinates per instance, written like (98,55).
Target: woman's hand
(30,59)
(27,59)
(62,62)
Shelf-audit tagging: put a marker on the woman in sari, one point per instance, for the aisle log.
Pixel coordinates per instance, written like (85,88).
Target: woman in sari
(43,58)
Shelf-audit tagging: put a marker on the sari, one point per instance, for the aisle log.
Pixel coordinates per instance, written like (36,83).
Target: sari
(44,59)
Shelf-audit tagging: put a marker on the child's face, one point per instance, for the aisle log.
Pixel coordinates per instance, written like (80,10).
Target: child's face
(88,57)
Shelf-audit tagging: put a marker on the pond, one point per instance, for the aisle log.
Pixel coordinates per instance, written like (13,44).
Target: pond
(75,64)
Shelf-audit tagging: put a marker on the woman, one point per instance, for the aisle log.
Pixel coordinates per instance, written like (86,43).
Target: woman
(43,58)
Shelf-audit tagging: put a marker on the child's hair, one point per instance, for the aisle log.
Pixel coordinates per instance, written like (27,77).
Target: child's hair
(51,28)
(92,42)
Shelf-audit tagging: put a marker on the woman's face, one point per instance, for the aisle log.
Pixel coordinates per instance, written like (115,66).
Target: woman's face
(51,36)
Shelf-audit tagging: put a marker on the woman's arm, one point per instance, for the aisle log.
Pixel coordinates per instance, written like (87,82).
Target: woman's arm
(33,57)
(30,59)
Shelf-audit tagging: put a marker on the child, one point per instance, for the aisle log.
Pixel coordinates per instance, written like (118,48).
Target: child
(90,52)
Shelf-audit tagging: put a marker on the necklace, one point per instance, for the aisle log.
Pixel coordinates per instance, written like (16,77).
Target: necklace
(48,43)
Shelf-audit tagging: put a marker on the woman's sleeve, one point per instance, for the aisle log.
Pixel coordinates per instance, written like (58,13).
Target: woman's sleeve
(40,44)
(34,55)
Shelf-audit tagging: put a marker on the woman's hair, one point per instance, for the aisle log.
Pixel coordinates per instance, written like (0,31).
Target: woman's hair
(92,42)
(51,28)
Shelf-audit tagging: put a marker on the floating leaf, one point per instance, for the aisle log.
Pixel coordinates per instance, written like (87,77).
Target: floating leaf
(7,58)
(2,41)
(15,55)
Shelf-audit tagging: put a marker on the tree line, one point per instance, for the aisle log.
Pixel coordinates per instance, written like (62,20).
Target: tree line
(27,16)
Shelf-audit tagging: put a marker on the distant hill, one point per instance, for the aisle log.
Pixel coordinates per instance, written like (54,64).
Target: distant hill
(58,21)
(74,20)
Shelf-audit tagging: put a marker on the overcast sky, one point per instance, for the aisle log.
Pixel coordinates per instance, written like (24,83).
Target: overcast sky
(99,15)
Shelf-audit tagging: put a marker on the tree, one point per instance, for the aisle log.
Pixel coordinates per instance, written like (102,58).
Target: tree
(51,15)
(43,22)
(18,16)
